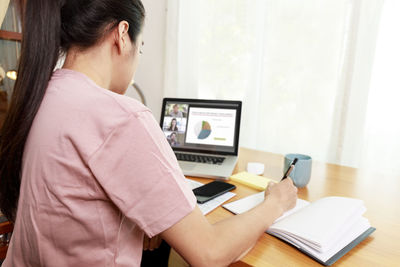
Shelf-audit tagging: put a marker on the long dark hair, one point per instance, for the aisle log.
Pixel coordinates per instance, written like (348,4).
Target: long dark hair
(175,127)
(51,27)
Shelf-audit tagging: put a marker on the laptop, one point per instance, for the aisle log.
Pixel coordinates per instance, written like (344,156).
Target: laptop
(204,135)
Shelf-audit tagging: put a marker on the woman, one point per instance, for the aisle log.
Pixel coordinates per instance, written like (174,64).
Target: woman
(85,172)
(173,126)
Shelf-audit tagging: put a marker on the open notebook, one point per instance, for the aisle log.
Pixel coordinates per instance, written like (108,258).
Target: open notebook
(325,230)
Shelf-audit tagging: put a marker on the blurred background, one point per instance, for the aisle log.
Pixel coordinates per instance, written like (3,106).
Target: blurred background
(315,77)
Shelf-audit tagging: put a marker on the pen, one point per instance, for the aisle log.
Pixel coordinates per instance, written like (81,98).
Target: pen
(290,169)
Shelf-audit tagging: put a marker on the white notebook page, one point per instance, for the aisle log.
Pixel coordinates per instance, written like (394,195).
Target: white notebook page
(320,221)
(247,203)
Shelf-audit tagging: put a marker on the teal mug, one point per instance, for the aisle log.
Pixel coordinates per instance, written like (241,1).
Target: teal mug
(301,174)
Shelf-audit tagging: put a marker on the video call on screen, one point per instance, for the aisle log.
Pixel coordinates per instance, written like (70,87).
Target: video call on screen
(193,126)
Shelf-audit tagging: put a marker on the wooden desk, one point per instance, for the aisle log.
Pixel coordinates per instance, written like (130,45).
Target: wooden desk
(381,194)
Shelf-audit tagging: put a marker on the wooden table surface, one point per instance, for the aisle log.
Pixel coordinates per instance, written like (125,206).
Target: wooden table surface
(380,193)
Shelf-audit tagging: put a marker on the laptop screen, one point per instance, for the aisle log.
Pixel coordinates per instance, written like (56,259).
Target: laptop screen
(209,126)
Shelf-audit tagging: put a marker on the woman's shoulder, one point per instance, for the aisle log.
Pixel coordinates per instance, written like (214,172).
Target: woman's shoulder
(82,111)
(85,92)
(128,104)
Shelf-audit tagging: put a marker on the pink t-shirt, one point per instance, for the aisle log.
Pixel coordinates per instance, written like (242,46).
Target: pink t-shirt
(97,174)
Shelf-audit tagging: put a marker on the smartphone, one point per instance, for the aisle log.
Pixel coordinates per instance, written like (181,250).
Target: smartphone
(211,190)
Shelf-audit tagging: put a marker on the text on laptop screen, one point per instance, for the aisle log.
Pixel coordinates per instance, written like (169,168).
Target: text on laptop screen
(200,126)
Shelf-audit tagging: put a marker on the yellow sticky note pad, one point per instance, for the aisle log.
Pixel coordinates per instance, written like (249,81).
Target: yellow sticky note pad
(252,180)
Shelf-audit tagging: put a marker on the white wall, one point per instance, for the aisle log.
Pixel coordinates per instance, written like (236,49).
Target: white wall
(3,9)
(150,74)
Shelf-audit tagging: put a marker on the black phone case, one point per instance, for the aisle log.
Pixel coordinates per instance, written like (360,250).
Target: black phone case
(203,193)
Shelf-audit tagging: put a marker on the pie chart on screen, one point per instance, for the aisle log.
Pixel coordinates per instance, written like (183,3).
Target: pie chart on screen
(202,130)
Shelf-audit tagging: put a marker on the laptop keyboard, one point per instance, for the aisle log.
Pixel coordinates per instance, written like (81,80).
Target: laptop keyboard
(200,158)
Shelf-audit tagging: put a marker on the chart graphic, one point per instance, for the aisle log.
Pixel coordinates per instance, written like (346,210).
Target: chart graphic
(202,130)
(210,126)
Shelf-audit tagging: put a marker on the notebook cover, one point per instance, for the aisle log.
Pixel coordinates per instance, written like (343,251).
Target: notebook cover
(342,252)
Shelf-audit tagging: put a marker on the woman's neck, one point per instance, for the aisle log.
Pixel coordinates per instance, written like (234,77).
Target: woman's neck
(94,63)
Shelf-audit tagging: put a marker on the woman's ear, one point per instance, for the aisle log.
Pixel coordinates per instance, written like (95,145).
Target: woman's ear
(121,36)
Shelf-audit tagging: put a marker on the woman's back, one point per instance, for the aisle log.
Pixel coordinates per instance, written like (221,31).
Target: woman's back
(71,193)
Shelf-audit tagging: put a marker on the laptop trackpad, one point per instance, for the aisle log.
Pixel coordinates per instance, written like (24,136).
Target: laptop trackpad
(187,165)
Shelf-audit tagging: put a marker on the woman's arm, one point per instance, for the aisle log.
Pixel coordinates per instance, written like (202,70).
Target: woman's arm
(220,244)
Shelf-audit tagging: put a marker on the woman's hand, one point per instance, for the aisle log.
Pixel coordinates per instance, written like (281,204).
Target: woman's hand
(151,243)
(283,194)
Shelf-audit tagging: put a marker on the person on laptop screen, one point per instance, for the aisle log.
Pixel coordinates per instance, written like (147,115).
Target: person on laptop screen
(86,174)
(173,139)
(175,112)
(173,126)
